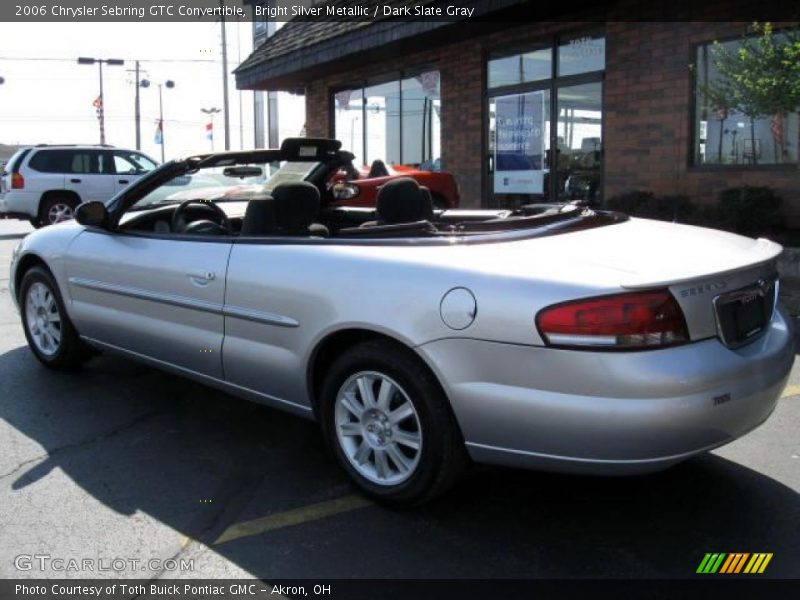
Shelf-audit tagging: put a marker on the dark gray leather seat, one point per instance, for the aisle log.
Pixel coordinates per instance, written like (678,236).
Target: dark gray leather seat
(292,209)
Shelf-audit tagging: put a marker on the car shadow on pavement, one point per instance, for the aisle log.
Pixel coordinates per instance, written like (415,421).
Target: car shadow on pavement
(199,460)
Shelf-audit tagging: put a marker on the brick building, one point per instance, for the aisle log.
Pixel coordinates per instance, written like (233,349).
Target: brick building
(603,106)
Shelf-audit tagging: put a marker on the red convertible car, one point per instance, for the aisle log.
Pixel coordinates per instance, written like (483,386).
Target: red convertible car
(353,187)
(340,183)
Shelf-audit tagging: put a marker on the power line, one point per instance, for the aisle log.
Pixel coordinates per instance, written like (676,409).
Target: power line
(141,60)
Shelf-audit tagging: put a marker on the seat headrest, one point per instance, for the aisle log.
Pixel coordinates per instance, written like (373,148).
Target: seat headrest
(259,216)
(402,201)
(296,205)
(378,169)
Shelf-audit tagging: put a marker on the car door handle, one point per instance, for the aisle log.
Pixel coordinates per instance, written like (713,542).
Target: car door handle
(123,181)
(201,276)
(75,180)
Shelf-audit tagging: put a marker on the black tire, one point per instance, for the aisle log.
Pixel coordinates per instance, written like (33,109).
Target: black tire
(52,204)
(442,455)
(71,352)
(36,222)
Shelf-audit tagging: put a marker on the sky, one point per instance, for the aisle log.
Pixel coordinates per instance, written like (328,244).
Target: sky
(50,101)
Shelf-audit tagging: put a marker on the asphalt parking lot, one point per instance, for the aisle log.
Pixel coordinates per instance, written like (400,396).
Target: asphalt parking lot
(120,461)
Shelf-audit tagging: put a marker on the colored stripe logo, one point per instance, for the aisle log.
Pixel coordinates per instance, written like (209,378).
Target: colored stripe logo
(734,562)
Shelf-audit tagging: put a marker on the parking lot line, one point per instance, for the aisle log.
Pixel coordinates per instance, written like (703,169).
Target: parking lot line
(791,390)
(304,514)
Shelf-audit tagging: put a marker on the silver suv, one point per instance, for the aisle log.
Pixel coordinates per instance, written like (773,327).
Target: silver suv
(43,184)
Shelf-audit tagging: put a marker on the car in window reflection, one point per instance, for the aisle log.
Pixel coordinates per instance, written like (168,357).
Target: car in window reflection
(421,339)
(340,183)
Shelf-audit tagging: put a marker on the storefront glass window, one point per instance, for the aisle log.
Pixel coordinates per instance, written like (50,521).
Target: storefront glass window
(724,135)
(397,122)
(349,120)
(529,160)
(521,68)
(421,120)
(579,136)
(382,116)
(581,54)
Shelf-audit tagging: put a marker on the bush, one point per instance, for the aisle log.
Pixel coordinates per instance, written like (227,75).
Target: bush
(749,209)
(639,203)
(746,209)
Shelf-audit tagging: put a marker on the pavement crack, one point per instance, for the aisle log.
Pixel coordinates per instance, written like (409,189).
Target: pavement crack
(238,495)
(103,436)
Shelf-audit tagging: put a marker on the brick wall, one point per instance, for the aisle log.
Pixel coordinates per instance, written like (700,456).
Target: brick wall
(647,109)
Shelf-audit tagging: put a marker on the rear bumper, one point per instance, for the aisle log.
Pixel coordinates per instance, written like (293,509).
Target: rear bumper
(609,412)
(15,204)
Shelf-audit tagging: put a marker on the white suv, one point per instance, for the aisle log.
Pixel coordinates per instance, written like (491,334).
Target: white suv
(44,184)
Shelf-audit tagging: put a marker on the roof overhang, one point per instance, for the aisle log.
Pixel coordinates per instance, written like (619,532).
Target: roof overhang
(369,42)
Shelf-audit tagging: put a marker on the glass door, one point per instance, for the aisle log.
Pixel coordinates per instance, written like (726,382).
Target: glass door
(579,142)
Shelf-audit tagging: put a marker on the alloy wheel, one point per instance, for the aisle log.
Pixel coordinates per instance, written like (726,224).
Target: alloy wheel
(43,319)
(378,428)
(59,212)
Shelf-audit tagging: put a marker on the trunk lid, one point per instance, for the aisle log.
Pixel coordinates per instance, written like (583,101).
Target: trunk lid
(723,282)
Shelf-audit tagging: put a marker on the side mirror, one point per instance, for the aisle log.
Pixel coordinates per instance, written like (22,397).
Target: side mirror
(92,214)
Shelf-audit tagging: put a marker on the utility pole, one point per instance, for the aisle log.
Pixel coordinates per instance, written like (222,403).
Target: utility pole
(239,61)
(101,109)
(225,105)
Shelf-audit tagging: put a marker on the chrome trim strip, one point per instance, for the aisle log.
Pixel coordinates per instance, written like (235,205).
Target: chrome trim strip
(220,383)
(604,461)
(132,292)
(186,302)
(248,314)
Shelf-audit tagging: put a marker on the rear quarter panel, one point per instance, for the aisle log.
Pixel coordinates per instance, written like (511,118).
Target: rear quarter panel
(393,290)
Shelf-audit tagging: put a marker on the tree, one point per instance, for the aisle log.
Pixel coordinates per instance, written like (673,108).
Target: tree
(759,78)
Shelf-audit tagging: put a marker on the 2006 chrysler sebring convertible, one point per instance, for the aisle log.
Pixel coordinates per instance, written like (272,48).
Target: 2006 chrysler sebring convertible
(552,337)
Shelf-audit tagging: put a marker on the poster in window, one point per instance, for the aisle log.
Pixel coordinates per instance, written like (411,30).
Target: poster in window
(519,144)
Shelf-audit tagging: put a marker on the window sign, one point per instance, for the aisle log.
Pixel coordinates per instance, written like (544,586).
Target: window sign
(519,144)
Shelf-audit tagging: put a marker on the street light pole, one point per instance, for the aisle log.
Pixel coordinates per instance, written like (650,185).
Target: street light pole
(137,114)
(101,109)
(169,84)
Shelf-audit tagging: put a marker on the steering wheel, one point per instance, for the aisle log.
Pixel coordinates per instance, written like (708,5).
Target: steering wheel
(179,222)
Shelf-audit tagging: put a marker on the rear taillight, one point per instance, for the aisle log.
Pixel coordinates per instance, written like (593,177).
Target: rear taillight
(623,321)
(17,181)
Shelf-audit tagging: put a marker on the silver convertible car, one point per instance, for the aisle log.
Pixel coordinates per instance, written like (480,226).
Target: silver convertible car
(552,337)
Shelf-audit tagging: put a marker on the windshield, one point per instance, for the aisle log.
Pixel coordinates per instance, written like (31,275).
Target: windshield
(221,184)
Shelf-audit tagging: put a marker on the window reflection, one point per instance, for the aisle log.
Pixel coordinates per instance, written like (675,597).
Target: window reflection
(579,138)
(397,122)
(521,68)
(581,54)
(725,136)
(349,122)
